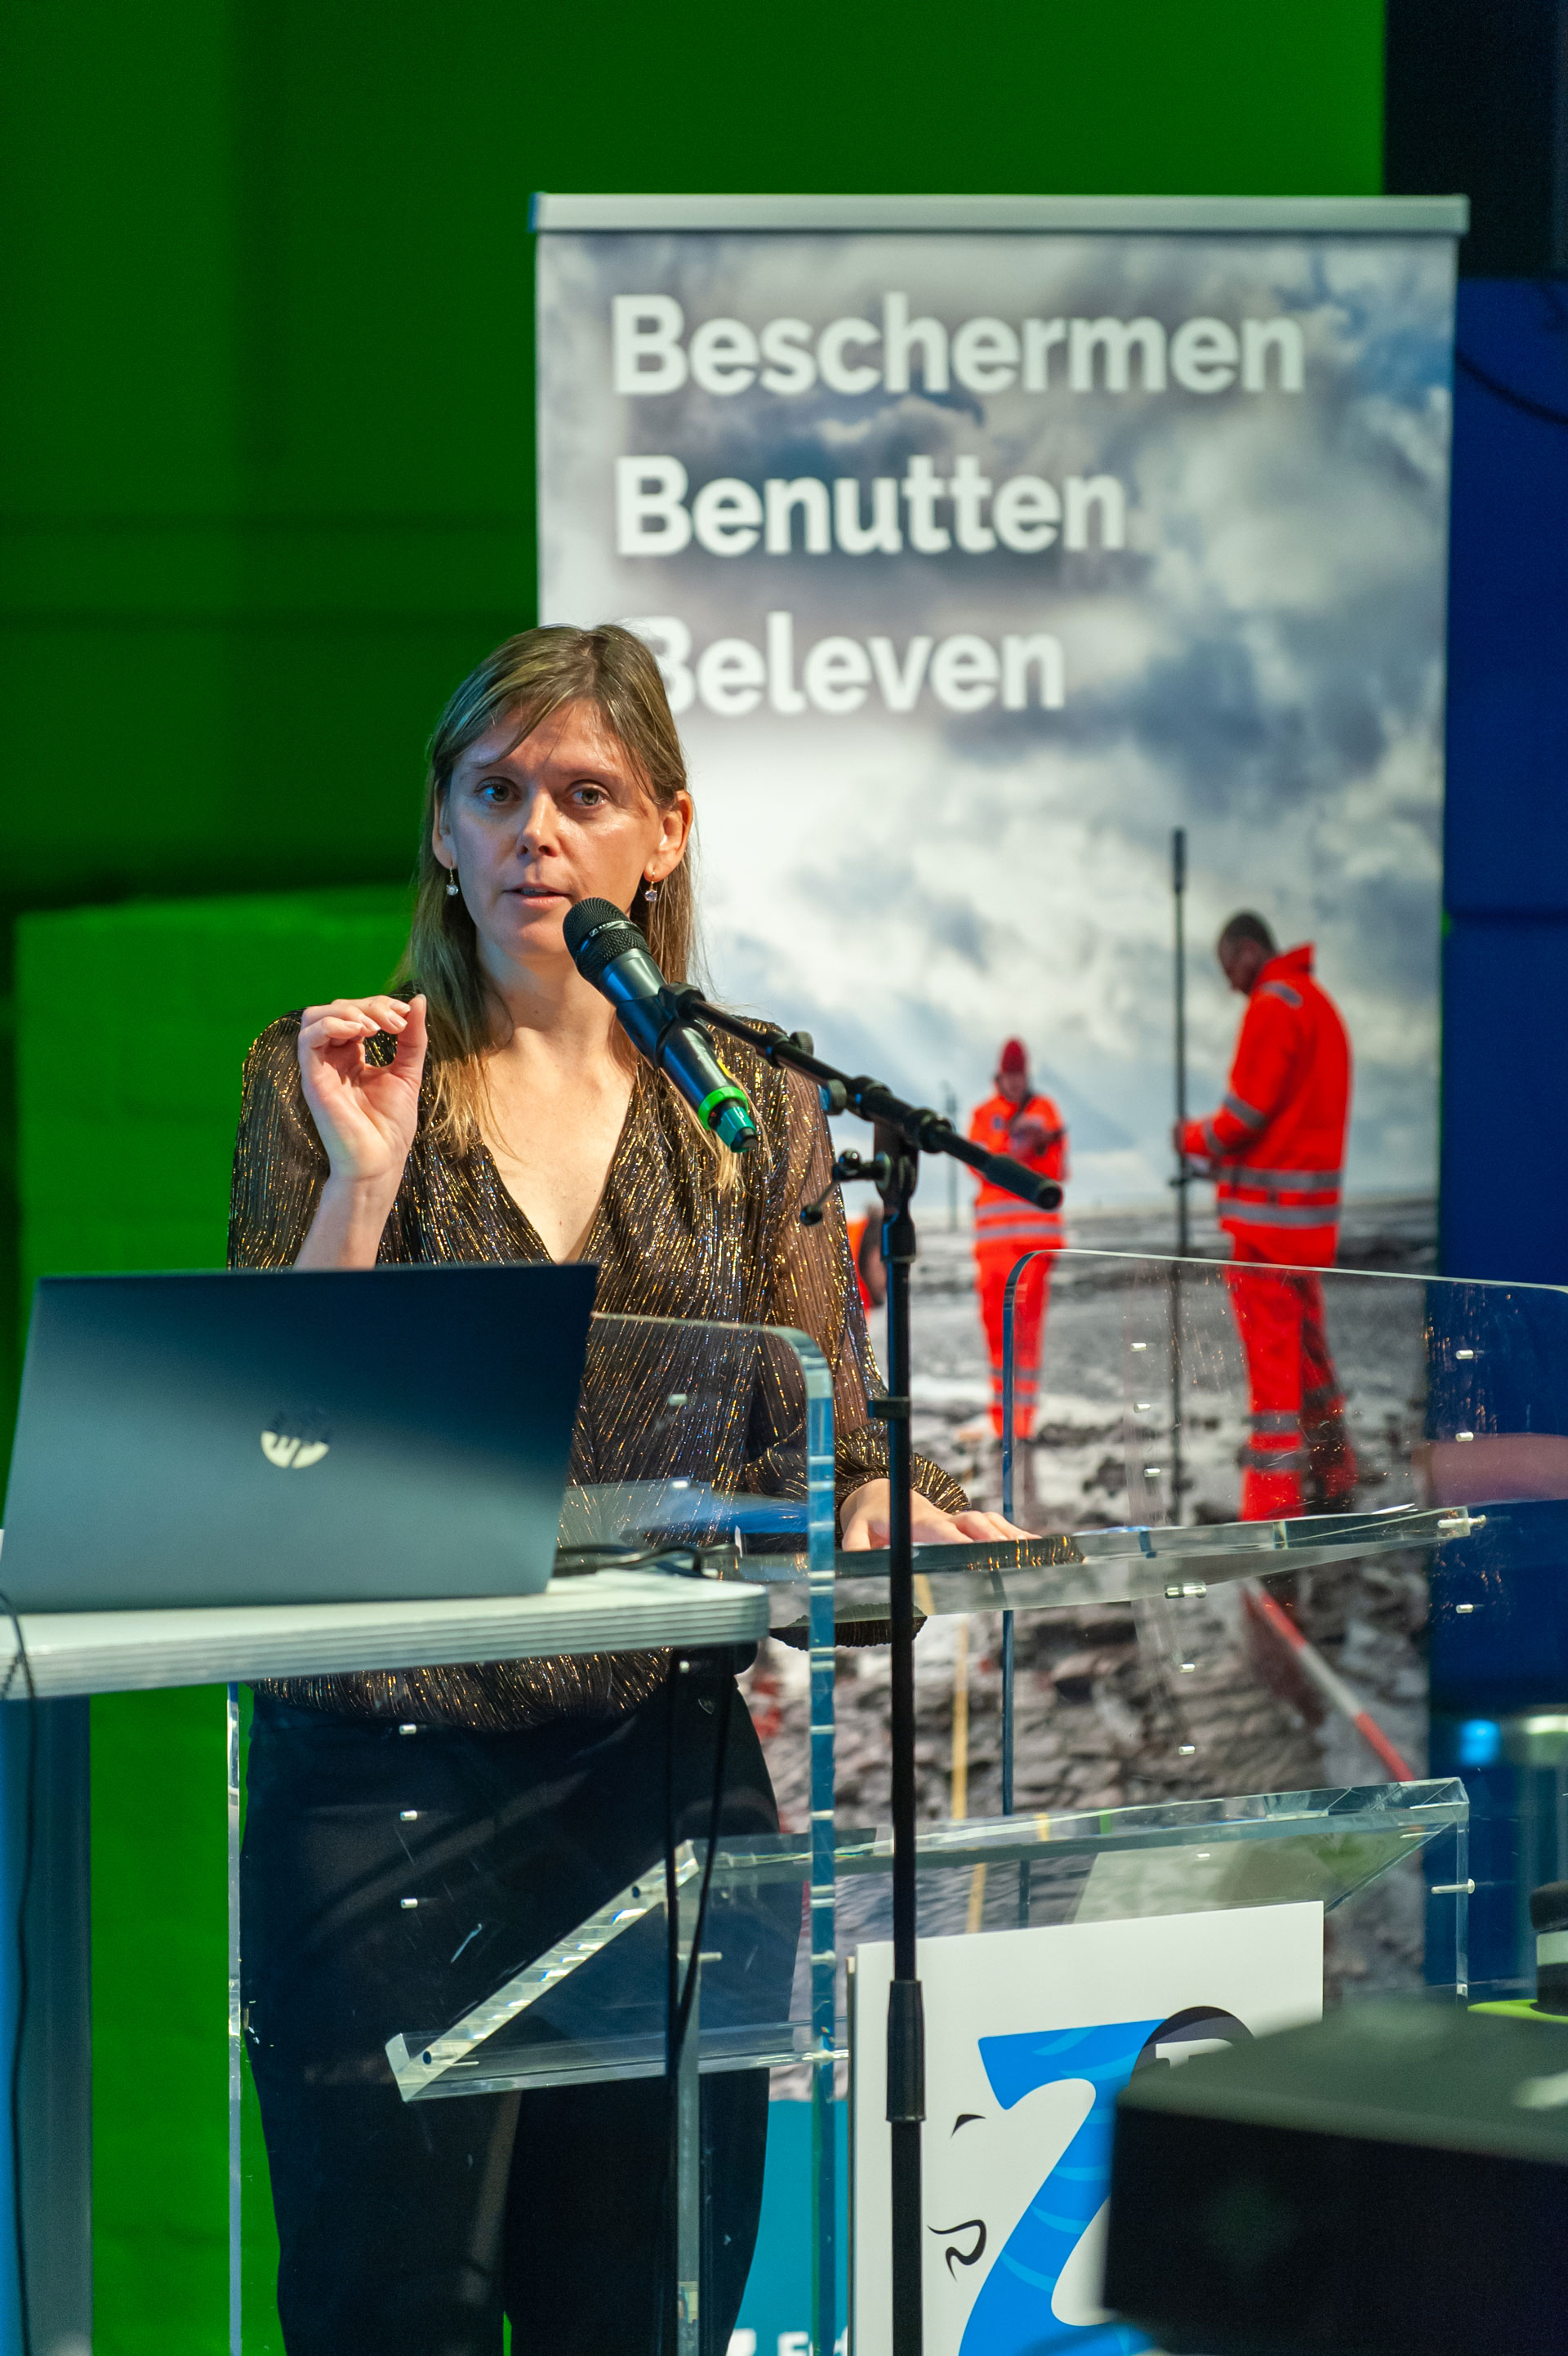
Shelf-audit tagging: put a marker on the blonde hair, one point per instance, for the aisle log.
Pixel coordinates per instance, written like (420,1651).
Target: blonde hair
(526,679)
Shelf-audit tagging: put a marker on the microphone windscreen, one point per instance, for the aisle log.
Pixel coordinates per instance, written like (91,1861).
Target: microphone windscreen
(595,933)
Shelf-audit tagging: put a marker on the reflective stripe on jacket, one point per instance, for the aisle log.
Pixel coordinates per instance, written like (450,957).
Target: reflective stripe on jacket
(1277,1144)
(1001,1221)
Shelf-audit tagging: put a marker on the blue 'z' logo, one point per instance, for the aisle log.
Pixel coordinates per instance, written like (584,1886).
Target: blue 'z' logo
(1015,2311)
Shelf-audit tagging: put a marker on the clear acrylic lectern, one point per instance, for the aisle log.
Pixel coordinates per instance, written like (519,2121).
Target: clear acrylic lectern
(699,1449)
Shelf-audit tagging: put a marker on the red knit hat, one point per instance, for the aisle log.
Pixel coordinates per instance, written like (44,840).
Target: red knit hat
(1014,1057)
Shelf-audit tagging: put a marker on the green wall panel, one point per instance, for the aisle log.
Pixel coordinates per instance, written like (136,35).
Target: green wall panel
(266,421)
(132,1022)
(131,1025)
(287,753)
(160,2066)
(117,260)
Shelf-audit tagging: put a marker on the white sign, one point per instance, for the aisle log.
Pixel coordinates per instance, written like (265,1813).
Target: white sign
(1030,2035)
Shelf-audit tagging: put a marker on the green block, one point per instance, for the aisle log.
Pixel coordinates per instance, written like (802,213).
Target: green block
(132,1026)
(160,2068)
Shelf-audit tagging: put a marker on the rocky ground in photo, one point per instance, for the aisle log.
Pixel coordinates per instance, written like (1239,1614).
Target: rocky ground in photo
(1122,1705)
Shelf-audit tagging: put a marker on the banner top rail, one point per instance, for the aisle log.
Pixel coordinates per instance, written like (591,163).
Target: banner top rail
(1168,216)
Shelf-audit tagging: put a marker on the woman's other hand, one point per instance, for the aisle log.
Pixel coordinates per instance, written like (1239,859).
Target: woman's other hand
(865,1522)
(365,1114)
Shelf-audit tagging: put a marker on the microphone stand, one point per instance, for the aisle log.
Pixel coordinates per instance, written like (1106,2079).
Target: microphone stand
(1183,1179)
(901,1133)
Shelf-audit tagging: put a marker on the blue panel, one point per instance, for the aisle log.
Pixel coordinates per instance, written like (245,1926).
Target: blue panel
(776,2313)
(1507,682)
(1504,1107)
(1490,1669)
(1505,1118)
(1506,1656)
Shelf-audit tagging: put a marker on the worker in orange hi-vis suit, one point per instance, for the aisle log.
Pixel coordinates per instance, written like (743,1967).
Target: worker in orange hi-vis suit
(865,1251)
(1276,1146)
(1019,1121)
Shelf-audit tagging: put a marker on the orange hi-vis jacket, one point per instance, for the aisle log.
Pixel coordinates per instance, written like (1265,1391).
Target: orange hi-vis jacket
(1277,1144)
(1002,1222)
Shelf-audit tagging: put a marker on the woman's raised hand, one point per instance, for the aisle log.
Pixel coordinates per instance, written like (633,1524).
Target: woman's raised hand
(365,1114)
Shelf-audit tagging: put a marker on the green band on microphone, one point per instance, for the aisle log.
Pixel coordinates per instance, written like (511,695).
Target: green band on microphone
(727,1114)
(708,1110)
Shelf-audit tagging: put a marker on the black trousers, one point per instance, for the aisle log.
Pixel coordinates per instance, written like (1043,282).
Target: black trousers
(407,2230)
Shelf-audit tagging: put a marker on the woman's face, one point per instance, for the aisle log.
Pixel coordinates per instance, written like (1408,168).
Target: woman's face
(534,824)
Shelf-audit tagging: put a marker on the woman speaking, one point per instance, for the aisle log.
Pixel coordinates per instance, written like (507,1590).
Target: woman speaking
(492,1110)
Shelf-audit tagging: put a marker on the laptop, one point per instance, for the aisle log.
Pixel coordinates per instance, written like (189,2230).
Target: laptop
(294,1436)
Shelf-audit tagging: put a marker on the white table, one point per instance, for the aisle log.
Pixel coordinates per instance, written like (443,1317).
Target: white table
(73,1655)
(611,1611)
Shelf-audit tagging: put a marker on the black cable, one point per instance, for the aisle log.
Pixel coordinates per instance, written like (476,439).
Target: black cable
(18,2224)
(672,2018)
(680,1997)
(688,1995)
(1505,393)
(579,1562)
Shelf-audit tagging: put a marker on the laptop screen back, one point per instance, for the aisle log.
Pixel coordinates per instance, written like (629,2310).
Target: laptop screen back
(294,1436)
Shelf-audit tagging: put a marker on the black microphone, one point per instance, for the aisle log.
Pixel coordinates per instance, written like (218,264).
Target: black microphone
(609,951)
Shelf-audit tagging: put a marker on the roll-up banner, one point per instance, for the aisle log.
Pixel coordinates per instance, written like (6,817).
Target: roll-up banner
(982,543)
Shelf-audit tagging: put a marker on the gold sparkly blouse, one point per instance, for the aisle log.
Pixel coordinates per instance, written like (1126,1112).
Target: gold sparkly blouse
(669,1242)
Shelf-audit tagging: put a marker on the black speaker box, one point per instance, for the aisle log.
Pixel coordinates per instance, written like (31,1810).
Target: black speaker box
(1392,2181)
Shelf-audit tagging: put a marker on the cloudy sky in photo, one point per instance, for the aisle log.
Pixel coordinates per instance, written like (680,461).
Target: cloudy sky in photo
(1261,664)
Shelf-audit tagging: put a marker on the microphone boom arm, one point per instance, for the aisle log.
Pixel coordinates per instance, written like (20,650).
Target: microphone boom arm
(918,1125)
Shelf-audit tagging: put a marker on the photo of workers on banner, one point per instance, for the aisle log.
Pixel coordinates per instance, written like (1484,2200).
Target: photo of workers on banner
(1275,1149)
(1021,1121)
(1259,1414)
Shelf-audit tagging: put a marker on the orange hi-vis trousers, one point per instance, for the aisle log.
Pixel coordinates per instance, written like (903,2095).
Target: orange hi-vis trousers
(994,1266)
(1297,1409)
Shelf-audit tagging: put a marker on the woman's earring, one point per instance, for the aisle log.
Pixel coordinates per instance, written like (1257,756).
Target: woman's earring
(650,892)
(453,886)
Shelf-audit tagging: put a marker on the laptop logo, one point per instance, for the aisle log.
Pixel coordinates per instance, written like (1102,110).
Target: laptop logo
(292,1442)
